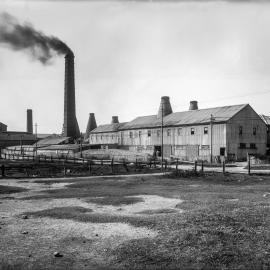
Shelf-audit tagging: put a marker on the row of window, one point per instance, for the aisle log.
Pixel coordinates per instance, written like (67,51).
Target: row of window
(179,132)
(244,146)
(254,131)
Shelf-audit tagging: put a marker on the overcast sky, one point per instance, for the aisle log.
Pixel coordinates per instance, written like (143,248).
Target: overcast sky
(130,53)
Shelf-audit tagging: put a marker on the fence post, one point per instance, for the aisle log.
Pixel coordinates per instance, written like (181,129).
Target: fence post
(223,166)
(125,165)
(165,164)
(150,163)
(202,166)
(195,166)
(101,162)
(136,165)
(64,168)
(112,165)
(89,166)
(176,167)
(248,164)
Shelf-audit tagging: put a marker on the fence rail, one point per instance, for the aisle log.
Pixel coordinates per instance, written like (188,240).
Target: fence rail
(31,165)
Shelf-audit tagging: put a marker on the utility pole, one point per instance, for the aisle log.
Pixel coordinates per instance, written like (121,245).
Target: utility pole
(162,136)
(36,136)
(81,145)
(21,144)
(211,138)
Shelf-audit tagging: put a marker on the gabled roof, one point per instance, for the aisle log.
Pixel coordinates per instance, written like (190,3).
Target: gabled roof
(193,117)
(220,114)
(141,122)
(108,128)
(266,119)
(54,139)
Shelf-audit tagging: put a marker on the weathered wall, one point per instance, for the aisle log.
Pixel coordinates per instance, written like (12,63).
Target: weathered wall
(104,138)
(248,119)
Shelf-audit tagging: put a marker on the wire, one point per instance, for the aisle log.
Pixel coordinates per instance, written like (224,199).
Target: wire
(230,97)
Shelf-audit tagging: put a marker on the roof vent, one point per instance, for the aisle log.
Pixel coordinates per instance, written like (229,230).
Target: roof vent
(115,120)
(193,105)
(165,107)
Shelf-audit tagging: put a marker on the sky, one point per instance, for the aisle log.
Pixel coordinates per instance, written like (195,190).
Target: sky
(130,53)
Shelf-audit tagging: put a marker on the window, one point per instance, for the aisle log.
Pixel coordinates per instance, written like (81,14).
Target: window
(130,134)
(242,146)
(205,130)
(149,133)
(254,131)
(101,137)
(253,146)
(205,147)
(192,131)
(140,133)
(240,130)
(112,136)
(168,132)
(158,133)
(179,131)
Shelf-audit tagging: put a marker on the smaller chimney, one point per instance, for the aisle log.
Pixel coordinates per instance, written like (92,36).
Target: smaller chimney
(29,124)
(164,107)
(193,105)
(115,120)
(91,125)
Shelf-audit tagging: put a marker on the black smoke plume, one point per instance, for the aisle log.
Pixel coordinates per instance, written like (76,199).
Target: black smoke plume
(24,37)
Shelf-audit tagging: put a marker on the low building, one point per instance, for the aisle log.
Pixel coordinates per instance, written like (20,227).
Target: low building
(229,132)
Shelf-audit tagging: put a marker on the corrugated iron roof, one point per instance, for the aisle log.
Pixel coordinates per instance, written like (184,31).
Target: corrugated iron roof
(142,122)
(108,128)
(220,114)
(266,119)
(54,139)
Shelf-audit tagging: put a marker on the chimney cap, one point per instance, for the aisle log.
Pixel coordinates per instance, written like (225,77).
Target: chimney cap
(69,54)
(193,105)
(115,119)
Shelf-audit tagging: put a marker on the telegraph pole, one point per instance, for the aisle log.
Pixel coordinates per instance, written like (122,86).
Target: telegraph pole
(162,136)
(36,136)
(211,138)
(81,144)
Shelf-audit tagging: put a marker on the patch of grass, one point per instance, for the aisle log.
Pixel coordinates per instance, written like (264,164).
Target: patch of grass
(85,215)
(11,189)
(203,240)
(157,211)
(74,212)
(115,201)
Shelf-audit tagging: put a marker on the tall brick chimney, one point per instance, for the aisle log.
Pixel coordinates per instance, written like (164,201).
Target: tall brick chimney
(29,121)
(165,107)
(91,125)
(70,127)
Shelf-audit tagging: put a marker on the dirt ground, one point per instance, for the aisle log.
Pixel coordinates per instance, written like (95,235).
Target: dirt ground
(126,223)
(28,241)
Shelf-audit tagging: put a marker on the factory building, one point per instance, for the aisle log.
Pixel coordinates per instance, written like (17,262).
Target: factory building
(228,132)
(11,138)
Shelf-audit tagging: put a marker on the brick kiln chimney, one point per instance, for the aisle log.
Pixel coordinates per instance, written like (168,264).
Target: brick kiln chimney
(165,107)
(193,105)
(91,125)
(70,127)
(29,121)
(115,120)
